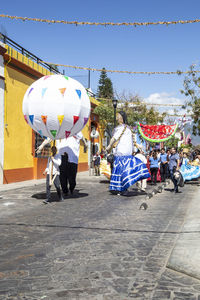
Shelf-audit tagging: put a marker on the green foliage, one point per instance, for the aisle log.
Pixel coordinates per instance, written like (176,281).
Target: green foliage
(105,112)
(173,142)
(188,146)
(105,88)
(139,112)
(135,110)
(191,89)
(105,109)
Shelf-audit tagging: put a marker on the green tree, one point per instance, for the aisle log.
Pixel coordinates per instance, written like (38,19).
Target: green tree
(173,142)
(192,91)
(136,112)
(105,88)
(105,112)
(105,109)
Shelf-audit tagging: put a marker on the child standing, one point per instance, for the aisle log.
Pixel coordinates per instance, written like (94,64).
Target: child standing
(97,160)
(53,172)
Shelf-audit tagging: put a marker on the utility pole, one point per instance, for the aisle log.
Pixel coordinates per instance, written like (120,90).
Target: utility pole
(88,79)
(114,101)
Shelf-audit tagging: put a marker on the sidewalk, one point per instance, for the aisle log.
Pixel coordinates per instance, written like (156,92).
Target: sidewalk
(27,183)
(185,257)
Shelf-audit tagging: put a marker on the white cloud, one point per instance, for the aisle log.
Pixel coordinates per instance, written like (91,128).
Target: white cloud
(166,98)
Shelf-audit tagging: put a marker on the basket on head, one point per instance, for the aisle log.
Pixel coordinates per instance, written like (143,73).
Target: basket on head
(185,150)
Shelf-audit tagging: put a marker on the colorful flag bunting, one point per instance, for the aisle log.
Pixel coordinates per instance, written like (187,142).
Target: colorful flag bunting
(60,119)
(44,119)
(25,117)
(47,76)
(40,132)
(62,91)
(85,121)
(67,133)
(79,93)
(53,132)
(31,118)
(43,91)
(30,91)
(76,118)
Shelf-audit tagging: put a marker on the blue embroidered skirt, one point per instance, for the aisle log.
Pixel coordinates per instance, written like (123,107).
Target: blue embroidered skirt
(126,171)
(190,172)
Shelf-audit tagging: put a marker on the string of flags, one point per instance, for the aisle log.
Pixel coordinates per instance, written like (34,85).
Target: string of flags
(178,72)
(134,24)
(142,103)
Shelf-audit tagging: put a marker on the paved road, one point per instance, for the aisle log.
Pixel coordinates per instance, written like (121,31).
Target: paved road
(94,246)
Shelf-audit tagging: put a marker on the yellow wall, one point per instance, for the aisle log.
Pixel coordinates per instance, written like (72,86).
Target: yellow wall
(83,157)
(25,60)
(17,135)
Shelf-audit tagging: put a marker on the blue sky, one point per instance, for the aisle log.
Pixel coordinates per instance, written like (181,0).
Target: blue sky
(151,48)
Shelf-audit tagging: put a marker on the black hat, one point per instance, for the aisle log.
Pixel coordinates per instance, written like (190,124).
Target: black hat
(124,116)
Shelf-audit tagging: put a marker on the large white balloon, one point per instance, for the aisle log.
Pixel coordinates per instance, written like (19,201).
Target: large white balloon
(56,106)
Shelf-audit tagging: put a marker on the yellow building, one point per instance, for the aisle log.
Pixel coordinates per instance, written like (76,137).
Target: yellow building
(18,141)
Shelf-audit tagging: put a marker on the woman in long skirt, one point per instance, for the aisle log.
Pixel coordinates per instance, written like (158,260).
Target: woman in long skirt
(188,170)
(127,169)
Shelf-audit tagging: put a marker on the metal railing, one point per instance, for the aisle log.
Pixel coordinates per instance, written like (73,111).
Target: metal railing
(27,53)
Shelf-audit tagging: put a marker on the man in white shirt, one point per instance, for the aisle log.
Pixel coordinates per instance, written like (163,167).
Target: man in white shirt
(68,149)
(52,170)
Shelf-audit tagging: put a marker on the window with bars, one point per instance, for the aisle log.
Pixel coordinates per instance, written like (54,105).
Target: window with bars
(46,151)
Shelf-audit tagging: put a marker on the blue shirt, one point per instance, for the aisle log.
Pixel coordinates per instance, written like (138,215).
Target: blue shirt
(153,162)
(163,157)
(173,161)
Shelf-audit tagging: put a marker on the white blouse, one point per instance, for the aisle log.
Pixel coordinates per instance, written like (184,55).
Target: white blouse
(125,146)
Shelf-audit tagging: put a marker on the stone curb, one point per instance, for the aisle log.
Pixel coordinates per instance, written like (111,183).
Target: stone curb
(150,195)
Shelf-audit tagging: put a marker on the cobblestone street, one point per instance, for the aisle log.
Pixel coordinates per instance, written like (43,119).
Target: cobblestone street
(92,246)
